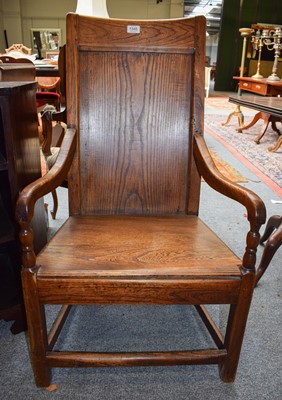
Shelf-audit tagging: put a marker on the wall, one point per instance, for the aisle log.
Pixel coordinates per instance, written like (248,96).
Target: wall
(240,14)
(19,16)
(11,20)
(2,37)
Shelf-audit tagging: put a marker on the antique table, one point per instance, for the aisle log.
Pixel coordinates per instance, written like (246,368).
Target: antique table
(269,109)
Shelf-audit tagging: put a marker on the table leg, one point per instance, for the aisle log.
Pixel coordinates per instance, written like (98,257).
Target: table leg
(256,118)
(272,120)
(236,113)
(277,145)
(267,118)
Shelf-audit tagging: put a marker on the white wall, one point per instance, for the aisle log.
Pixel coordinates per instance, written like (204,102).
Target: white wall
(12,20)
(19,16)
(2,37)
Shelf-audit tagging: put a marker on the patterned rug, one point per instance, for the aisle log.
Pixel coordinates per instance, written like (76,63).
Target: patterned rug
(219,104)
(267,165)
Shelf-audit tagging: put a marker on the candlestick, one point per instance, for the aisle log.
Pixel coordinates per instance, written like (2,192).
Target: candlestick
(272,39)
(245,32)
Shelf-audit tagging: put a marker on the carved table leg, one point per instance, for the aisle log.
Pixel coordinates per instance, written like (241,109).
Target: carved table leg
(273,120)
(256,118)
(236,113)
(277,145)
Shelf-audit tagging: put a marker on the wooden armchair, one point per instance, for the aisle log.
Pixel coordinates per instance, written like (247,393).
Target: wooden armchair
(136,154)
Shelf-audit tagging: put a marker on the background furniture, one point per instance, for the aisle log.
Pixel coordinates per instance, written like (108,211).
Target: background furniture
(265,67)
(273,235)
(17,72)
(10,59)
(51,120)
(136,151)
(269,109)
(49,86)
(19,47)
(44,95)
(19,165)
(259,86)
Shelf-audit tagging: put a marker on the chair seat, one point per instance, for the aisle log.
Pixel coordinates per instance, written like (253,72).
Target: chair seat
(125,250)
(43,98)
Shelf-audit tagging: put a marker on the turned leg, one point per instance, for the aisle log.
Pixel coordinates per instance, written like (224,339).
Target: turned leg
(37,330)
(235,330)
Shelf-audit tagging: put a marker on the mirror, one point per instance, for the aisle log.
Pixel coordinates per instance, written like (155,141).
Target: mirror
(45,40)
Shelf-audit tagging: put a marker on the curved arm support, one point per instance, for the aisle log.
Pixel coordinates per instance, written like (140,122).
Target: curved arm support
(42,186)
(255,207)
(48,115)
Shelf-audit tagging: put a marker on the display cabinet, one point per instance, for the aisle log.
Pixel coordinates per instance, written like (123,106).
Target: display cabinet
(19,165)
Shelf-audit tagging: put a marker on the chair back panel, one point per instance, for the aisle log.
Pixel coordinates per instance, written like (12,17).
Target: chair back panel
(135,113)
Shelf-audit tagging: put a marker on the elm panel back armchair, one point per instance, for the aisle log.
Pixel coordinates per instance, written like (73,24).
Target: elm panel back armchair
(134,153)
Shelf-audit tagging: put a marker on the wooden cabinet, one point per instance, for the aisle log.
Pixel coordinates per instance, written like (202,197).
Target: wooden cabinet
(17,72)
(253,87)
(19,165)
(260,86)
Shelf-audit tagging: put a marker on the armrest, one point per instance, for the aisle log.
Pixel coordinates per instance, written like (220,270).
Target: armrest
(256,211)
(46,184)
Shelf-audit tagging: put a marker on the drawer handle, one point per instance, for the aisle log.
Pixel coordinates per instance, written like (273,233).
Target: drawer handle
(258,87)
(245,84)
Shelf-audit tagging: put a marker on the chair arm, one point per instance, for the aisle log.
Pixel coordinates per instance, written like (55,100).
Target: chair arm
(255,207)
(47,183)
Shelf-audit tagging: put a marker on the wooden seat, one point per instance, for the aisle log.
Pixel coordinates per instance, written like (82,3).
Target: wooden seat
(134,154)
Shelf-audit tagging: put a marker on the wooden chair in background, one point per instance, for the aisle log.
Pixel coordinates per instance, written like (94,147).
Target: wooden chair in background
(46,84)
(273,237)
(51,119)
(9,59)
(49,86)
(136,154)
(20,48)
